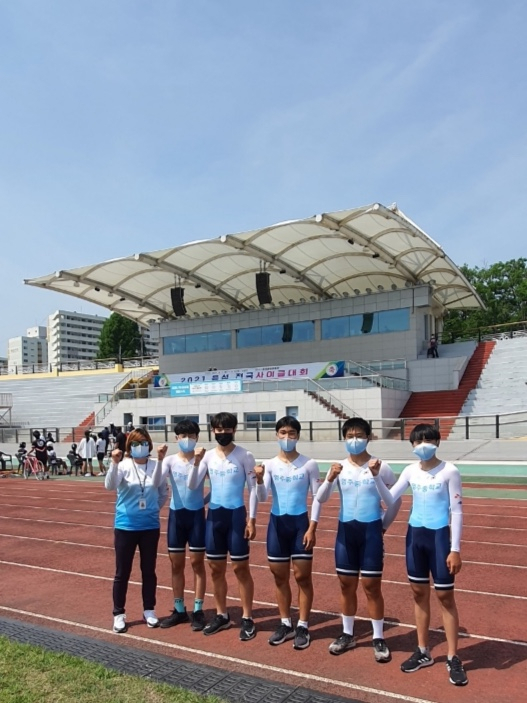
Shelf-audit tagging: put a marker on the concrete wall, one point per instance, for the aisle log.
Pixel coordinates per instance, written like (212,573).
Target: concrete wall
(363,348)
(371,403)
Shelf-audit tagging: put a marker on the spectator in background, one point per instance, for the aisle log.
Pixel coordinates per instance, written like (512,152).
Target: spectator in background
(49,438)
(100,447)
(74,459)
(432,352)
(120,440)
(39,449)
(87,451)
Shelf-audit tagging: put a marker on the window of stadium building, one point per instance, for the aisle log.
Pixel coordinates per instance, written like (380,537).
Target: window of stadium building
(263,420)
(192,343)
(368,323)
(275,334)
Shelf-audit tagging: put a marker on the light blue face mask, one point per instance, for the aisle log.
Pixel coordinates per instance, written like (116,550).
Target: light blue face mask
(425,451)
(186,444)
(356,445)
(140,452)
(287,444)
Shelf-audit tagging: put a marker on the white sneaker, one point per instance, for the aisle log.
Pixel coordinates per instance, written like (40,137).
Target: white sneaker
(150,618)
(119,623)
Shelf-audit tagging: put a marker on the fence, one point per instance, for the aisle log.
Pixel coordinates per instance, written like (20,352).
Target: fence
(505,426)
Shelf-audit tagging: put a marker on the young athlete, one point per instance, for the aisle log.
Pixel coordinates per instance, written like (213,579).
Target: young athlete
(291,535)
(362,522)
(432,546)
(186,524)
(227,529)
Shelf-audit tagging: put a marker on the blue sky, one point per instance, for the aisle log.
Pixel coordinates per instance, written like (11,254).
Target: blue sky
(128,126)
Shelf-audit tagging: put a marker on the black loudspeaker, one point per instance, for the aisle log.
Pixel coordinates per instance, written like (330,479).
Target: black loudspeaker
(367,323)
(263,290)
(287,334)
(178,304)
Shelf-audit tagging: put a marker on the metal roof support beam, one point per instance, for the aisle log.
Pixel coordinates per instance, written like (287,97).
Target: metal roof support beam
(240,245)
(345,229)
(112,289)
(197,280)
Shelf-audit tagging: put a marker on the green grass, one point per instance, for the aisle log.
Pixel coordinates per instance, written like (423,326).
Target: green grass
(34,675)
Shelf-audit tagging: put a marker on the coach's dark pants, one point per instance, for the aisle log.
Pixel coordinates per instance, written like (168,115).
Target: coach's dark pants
(126,542)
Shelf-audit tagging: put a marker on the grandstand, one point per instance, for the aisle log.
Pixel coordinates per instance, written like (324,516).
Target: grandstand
(57,402)
(364,284)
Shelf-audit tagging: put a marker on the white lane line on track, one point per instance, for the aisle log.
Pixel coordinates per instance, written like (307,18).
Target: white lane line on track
(259,525)
(394,623)
(263,506)
(225,658)
(163,532)
(159,554)
(263,566)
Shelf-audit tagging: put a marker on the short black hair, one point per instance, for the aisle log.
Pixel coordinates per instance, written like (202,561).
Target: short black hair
(356,423)
(288,421)
(425,432)
(225,421)
(187,426)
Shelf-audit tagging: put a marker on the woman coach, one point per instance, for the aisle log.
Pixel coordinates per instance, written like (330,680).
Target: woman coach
(136,522)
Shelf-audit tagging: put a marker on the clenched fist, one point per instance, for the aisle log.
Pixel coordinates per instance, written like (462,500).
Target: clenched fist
(199,453)
(334,472)
(117,455)
(374,466)
(259,470)
(162,451)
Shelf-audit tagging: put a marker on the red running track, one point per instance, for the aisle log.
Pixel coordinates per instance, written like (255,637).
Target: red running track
(56,559)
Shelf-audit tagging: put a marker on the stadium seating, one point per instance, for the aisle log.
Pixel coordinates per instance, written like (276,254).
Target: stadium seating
(64,401)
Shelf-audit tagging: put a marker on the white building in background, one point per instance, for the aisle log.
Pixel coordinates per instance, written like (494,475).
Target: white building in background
(28,350)
(73,336)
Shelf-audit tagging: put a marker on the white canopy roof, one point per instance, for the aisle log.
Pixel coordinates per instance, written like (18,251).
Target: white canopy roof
(333,255)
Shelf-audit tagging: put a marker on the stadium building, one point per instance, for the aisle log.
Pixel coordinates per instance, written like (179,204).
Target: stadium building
(322,317)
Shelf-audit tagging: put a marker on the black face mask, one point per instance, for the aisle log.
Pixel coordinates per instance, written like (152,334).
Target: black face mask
(224,439)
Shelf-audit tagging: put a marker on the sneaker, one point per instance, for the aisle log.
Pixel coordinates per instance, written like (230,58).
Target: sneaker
(381,651)
(456,671)
(175,619)
(342,644)
(197,619)
(150,618)
(416,661)
(302,638)
(247,629)
(119,624)
(284,632)
(218,622)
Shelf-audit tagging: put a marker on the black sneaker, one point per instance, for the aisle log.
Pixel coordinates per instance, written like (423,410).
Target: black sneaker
(175,619)
(381,651)
(416,661)
(284,632)
(302,638)
(247,629)
(456,671)
(197,620)
(218,622)
(342,644)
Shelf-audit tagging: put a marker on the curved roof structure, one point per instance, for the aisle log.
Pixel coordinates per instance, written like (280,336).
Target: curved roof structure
(333,255)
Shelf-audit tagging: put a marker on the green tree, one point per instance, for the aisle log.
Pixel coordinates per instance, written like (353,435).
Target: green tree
(120,338)
(503,289)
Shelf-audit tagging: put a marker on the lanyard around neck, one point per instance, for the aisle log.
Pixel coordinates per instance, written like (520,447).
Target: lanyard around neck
(141,485)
